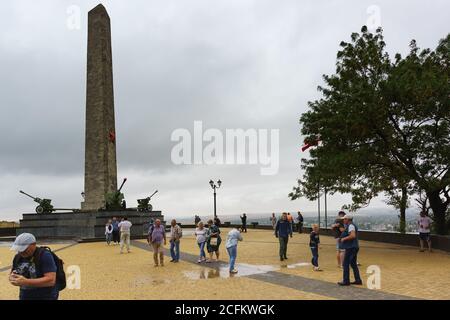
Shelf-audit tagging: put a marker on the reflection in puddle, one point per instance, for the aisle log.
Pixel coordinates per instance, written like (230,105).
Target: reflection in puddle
(300,264)
(142,281)
(223,272)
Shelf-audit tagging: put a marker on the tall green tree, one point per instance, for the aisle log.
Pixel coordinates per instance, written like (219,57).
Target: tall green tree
(381,122)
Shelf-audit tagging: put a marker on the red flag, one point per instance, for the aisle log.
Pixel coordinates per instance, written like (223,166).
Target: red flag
(310,144)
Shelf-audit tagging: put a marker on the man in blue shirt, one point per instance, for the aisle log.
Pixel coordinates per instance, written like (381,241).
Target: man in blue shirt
(283,230)
(33,270)
(349,241)
(116,231)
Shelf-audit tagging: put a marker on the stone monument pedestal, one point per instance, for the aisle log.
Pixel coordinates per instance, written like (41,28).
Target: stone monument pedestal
(83,225)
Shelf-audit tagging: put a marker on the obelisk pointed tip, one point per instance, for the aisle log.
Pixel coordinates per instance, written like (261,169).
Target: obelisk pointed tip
(100,8)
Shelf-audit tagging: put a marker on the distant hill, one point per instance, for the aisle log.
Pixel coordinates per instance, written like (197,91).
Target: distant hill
(8,224)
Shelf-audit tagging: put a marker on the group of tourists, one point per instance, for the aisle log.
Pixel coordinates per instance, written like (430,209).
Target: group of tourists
(347,245)
(118,232)
(40,274)
(298,221)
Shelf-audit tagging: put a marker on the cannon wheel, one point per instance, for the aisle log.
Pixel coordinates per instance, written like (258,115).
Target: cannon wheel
(150,207)
(39,209)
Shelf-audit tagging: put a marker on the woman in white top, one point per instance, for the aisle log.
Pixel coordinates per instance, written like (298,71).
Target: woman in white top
(200,234)
(108,231)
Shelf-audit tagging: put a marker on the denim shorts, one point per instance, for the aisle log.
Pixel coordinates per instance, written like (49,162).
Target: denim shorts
(338,245)
(425,236)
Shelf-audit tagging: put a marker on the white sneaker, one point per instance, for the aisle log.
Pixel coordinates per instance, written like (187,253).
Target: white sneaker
(233,271)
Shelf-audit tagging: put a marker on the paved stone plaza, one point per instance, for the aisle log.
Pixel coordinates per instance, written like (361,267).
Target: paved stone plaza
(406,273)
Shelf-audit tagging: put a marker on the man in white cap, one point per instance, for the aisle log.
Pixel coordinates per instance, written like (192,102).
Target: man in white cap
(33,270)
(349,241)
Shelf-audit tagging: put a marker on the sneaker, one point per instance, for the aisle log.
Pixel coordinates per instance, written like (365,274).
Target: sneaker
(358,283)
(343,283)
(285,258)
(199,261)
(172,260)
(175,261)
(317,269)
(234,271)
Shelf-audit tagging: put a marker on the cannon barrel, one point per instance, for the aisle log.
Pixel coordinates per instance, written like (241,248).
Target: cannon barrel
(123,182)
(34,198)
(153,194)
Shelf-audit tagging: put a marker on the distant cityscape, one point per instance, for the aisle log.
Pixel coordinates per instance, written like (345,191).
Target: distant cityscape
(369,219)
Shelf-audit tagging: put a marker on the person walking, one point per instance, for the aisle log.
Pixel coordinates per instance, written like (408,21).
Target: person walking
(244,223)
(299,222)
(125,232)
(424,224)
(338,228)
(157,238)
(314,242)
(213,240)
(33,270)
(108,232)
(233,237)
(175,235)
(116,231)
(349,239)
(283,230)
(200,234)
(273,220)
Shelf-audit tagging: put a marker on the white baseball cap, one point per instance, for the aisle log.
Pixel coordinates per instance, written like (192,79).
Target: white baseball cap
(22,242)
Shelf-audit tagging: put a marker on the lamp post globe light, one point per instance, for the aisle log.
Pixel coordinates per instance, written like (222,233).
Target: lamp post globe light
(214,186)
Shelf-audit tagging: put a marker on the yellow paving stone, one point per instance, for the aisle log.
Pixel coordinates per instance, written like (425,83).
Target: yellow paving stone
(106,274)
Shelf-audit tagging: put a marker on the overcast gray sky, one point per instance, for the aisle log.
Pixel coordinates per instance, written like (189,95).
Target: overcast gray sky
(229,63)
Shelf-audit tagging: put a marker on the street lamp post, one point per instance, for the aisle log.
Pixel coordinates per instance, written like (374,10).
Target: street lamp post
(215,186)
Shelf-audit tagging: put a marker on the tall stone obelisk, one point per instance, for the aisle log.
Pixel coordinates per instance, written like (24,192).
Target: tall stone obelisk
(100,175)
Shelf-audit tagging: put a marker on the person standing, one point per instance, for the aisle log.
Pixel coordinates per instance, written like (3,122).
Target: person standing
(233,237)
(273,220)
(108,232)
(299,222)
(156,238)
(283,230)
(291,220)
(314,242)
(213,240)
(349,239)
(197,220)
(125,232)
(175,235)
(116,232)
(424,224)
(244,223)
(200,234)
(33,270)
(338,228)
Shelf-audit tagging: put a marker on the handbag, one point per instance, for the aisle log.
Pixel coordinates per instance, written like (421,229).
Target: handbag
(213,241)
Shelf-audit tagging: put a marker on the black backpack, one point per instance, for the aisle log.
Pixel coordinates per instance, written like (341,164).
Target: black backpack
(60,274)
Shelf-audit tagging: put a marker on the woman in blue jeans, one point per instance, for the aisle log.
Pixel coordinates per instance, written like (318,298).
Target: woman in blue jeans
(200,234)
(234,236)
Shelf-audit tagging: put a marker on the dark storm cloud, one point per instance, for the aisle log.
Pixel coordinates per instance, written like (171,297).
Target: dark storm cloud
(230,64)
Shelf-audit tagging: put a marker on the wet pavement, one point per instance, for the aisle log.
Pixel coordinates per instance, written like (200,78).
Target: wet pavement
(269,274)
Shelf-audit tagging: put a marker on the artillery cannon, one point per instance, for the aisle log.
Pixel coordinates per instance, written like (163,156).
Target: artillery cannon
(45,205)
(144,204)
(115,200)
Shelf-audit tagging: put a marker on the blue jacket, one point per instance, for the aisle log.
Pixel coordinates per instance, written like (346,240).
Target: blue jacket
(349,243)
(283,228)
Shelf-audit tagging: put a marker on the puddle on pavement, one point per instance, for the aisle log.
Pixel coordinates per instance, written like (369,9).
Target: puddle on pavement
(295,265)
(223,272)
(143,281)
